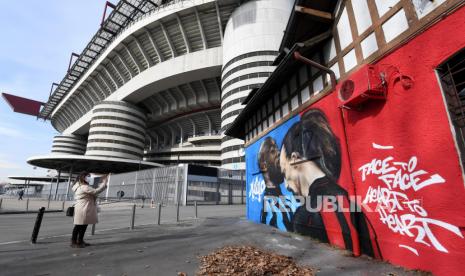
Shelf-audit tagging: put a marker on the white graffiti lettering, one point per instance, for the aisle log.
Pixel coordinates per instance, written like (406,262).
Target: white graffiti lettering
(402,215)
(257,187)
(399,174)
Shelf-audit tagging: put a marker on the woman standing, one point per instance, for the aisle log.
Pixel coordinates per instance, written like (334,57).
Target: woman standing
(85,209)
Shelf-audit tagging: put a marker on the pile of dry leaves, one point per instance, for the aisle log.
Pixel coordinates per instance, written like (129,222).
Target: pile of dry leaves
(248,260)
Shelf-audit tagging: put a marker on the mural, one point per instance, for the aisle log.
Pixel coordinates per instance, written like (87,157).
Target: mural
(380,203)
(293,175)
(266,189)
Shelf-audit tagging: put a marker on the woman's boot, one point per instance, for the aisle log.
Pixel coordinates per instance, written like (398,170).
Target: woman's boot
(75,244)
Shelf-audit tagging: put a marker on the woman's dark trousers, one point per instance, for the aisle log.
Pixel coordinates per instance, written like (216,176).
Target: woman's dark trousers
(78,233)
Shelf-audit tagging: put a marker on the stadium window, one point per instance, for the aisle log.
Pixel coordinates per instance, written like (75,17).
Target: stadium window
(270,120)
(305,94)
(270,106)
(285,109)
(294,102)
(264,125)
(276,100)
(303,75)
(293,84)
(277,114)
(284,93)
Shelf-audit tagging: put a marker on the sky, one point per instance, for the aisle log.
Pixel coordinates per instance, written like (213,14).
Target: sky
(36,41)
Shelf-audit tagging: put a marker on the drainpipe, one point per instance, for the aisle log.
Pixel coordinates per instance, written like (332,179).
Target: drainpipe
(332,76)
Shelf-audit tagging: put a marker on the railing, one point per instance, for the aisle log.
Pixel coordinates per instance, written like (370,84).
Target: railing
(10,204)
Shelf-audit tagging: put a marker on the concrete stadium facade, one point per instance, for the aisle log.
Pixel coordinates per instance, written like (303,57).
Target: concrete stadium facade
(168,84)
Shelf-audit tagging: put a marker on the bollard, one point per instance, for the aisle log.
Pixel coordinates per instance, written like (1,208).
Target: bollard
(63,206)
(177,212)
(93,230)
(195,206)
(27,204)
(1,201)
(133,217)
(159,213)
(48,204)
(35,232)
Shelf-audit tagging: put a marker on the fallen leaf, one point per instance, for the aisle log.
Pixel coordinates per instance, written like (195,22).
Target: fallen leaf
(249,261)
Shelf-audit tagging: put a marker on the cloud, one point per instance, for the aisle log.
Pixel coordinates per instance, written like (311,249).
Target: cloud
(8,165)
(10,132)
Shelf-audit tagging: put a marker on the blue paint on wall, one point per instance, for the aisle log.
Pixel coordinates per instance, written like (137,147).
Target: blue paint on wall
(256,184)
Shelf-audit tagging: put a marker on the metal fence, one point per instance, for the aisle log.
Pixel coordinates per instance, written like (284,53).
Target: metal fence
(169,184)
(161,185)
(166,185)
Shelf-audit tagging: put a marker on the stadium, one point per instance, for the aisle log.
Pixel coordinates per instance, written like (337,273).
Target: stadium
(157,86)
(160,81)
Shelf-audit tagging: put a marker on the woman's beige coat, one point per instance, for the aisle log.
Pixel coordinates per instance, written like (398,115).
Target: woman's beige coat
(85,209)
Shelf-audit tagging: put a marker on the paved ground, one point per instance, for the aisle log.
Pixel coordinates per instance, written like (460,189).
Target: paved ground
(18,227)
(163,250)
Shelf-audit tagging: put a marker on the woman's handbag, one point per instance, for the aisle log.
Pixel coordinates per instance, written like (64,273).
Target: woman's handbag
(70,211)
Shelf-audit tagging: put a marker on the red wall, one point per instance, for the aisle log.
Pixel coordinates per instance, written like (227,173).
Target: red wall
(414,123)
(398,156)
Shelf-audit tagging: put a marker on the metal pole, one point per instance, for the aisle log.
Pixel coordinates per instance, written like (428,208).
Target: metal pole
(159,213)
(184,184)
(230,193)
(69,182)
(63,206)
(218,195)
(1,201)
(35,231)
(27,187)
(230,188)
(108,187)
(27,204)
(165,189)
(135,184)
(331,73)
(153,187)
(176,184)
(133,217)
(58,183)
(178,192)
(93,230)
(242,187)
(195,205)
(50,193)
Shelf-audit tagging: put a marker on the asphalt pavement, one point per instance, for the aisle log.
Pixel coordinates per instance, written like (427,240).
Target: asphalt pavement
(18,227)
(165,249)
